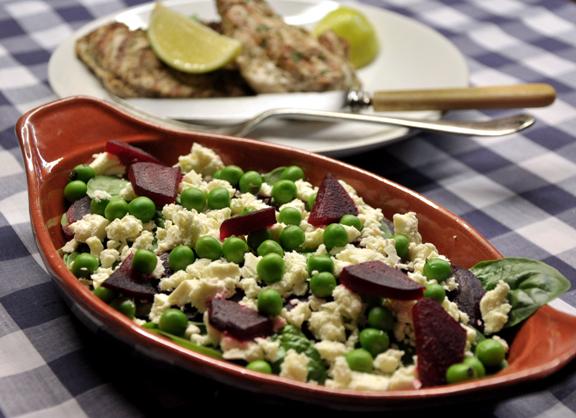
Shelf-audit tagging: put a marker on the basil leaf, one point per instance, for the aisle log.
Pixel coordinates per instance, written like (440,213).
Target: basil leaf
(532,283)
(188,344)
(111,185)
(273,176)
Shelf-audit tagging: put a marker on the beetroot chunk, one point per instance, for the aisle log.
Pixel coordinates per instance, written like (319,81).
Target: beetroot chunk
(440,341)
(468,295)
(243,225)
(332,202)
(75,212)
(129,154)
(158,182)
(238,321)
(377,278)
(126,281)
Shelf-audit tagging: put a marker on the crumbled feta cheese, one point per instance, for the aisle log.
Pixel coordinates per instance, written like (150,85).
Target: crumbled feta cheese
(250,287)
(355,255)
(407,224)
(349,303)
(100,276)
(145,241)
(454,312)
(313,239)
(172,282)
(494,307)
(326,324)
(331,350)
(105,164)
(384,246)
(351,232)
(403,379)
(419,253)
(160,305)
(90,225)
(95,246)
(128,193)
(295,366)
(340,373)
(201,159)
(305,190)
(388,361)
(266,189)
(260,348)
(108,257)
(248,270)
(246,201)
(294,280)
(198,292)
(101,195)
(344,378)
(70,246)
(298,314)
(124,229)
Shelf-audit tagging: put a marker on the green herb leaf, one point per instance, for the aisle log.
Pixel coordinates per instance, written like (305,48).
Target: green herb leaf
(532,283)
(188,344)
(273,176)
(111,185)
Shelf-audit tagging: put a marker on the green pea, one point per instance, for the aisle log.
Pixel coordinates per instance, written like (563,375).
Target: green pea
(258,237)
(322,284)
(107,295)
(75,190)
(293,173)
(193,198)
(351,220)
(83,172)
(84,265)
(117,208)
(335,236)
(380,317)
(269,302)
(231,174)
(360,360)
(490,352)
(218,198)
(437,269)
(142,208)
(98,206)
(401,242)
(208,247)
(477,366)
(250,182)
(125,306)
(292,237)
(180,257)
(234,249)
(310,202)
(459,372)
(144,261)
(271,268)
(173,321)
(322,262)
(270,246)
(435,291)
(261,366)
(373,340)
(290,216)
(283,191)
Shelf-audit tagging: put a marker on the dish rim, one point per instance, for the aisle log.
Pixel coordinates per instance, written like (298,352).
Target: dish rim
(118,323)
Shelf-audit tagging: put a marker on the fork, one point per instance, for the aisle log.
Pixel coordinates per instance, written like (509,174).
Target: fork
(487,128)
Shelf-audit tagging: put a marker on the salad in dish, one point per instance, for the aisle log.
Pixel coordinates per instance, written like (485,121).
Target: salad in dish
(281,276)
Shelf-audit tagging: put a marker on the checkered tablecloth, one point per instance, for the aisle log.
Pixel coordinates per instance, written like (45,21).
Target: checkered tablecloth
(519,191)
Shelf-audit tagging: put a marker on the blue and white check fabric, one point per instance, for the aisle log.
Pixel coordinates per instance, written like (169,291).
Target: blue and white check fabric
(519,191)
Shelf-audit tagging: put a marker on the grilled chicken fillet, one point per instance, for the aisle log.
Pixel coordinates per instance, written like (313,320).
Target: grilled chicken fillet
(277,57)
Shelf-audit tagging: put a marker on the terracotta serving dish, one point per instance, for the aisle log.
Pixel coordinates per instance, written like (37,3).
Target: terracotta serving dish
(57,136)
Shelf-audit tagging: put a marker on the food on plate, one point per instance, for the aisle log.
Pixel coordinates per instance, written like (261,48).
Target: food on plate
(125,63)
(273,56)
(231,263)
(352,26)
(186,44)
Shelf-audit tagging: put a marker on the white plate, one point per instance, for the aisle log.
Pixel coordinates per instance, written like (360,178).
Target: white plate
(412,55)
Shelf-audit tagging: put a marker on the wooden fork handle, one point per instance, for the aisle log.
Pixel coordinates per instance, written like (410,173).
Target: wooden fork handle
(493,97)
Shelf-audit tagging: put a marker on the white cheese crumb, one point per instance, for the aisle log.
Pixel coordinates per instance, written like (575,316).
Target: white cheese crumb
(90,225)
(407,224)
(200,159)
(388,361)
(295,366)
(105,164)
(95,246)
(494,307)
(124,229)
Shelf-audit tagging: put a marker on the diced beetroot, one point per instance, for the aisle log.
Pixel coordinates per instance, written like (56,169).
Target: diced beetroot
(332,202)
(75,212)
(238,321)
(440,341)
(243,225)
(158,182)
(468,294)
(126,281)
(377,278)
(129,154)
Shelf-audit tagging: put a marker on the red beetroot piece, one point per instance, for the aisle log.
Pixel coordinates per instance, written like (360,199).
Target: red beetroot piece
(129,154)
(332,202)
(468,295)
(158,182)
(440,341)
(243,225)
(238,321)
(130,283)
(379,279)
(75,212)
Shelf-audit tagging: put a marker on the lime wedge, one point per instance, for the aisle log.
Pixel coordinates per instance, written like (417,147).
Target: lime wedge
(187,45)
(352,26)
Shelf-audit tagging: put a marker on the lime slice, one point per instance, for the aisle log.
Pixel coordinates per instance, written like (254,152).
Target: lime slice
(352,26)
(187,45)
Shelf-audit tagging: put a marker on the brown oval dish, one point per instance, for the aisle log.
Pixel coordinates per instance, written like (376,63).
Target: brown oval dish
(59,135)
